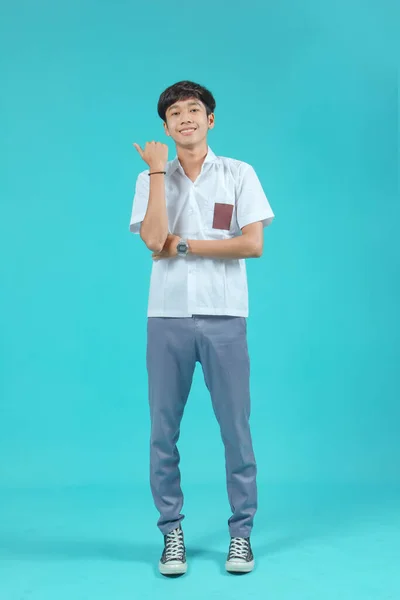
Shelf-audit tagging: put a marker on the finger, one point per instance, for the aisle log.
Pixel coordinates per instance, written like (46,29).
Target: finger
(139,149)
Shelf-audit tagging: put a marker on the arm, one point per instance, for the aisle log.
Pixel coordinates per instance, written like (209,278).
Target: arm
(247,245)
(154,227)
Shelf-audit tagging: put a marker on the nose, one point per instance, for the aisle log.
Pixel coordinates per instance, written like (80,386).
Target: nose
(186,119)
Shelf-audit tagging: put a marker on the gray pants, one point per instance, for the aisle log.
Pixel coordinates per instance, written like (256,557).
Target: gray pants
(219,343)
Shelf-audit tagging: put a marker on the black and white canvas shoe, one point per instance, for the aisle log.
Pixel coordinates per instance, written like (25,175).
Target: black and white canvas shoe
(240,557)
(173,559)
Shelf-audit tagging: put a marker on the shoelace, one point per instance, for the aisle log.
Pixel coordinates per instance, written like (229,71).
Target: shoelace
(239,548)
(174,545)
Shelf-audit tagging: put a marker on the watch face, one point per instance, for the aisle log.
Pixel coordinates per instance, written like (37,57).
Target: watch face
(181,247)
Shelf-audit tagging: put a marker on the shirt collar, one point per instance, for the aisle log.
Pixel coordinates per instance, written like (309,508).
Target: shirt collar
(175,164)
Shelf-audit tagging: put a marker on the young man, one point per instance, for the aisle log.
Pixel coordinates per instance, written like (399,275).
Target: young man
(201,215)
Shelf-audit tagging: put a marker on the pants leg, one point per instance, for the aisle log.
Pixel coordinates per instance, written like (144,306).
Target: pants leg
(226,366)
(171,361)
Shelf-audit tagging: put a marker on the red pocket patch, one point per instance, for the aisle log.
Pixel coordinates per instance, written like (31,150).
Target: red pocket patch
(222,215)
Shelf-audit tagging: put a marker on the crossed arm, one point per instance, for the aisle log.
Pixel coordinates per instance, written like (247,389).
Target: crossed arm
(247,245)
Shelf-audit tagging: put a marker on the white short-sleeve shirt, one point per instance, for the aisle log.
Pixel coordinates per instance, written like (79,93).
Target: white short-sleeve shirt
(182,287)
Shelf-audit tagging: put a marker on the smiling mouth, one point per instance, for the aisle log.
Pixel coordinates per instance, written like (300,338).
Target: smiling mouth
(188,131)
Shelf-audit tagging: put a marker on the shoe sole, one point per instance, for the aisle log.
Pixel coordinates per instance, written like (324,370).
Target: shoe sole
(178,569)
(233,567)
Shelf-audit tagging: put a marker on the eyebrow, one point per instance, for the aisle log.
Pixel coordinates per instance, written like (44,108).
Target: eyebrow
(189,104)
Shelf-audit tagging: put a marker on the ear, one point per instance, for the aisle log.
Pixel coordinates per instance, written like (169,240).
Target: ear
(211,121)
(166,129)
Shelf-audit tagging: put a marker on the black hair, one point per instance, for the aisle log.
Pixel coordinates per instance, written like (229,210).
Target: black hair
(182,91)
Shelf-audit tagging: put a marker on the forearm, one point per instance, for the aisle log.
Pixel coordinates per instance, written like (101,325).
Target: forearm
(241,246)
(154,228)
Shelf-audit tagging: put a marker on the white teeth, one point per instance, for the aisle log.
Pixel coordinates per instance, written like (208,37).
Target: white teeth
(187,130)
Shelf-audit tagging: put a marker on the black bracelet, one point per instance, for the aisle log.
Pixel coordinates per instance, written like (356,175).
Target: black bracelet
(157,173)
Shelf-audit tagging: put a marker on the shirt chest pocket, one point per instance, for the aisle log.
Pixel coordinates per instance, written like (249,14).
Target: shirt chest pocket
(218,199)
(222,214)
(220,218)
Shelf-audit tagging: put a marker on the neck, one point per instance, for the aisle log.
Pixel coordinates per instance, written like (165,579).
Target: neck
(192,158)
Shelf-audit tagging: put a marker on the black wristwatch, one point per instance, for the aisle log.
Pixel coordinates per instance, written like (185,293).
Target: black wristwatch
(182,248)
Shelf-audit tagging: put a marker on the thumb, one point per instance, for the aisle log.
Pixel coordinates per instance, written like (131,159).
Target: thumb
(139,149)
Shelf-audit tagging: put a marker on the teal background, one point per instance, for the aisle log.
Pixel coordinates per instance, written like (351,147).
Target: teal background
(308,94)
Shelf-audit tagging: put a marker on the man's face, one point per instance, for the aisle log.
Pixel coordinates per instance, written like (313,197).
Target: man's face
(188,123)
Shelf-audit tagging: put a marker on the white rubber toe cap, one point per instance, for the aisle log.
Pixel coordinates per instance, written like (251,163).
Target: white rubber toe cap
(172,567)
(239,565)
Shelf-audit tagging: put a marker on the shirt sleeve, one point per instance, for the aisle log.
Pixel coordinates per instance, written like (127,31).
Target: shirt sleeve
(140,201)
(252,204)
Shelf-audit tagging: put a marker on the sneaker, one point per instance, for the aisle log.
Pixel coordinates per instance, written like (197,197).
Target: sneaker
(173,559)
(240,556)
